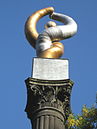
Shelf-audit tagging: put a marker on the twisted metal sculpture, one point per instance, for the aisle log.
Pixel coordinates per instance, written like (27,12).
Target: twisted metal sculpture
(47,43)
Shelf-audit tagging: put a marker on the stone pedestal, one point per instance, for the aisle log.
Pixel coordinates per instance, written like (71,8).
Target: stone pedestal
(48,97)
(50,69)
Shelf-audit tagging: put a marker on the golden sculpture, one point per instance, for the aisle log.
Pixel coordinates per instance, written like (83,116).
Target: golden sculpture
(47,43)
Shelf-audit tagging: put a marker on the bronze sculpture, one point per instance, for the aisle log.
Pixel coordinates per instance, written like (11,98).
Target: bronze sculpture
(47,43)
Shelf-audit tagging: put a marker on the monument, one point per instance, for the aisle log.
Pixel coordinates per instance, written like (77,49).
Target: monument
(49,87)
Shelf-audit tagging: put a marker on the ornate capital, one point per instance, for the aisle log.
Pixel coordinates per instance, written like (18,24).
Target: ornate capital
(47,93)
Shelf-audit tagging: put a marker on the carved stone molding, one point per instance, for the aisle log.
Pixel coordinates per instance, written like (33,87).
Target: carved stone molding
(46,93)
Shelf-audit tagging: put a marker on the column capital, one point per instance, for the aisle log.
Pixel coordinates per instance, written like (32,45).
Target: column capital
(48,94)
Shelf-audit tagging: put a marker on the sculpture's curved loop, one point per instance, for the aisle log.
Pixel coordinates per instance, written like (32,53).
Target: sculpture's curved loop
(30,26)
(46,44)
(63,31)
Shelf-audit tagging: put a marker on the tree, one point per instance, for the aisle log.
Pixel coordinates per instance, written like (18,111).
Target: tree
(86,120)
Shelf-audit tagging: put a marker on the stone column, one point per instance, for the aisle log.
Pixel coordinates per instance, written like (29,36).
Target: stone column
(48,100)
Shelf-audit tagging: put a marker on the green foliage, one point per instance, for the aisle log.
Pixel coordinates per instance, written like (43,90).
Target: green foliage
(86,120)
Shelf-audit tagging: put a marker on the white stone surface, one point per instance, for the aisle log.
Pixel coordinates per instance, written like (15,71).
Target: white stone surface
(50,69)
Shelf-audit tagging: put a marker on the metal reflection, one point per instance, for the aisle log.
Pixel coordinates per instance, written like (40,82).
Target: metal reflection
(47,43)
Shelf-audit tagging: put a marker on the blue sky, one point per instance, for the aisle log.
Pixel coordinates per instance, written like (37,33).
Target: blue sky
(16,55)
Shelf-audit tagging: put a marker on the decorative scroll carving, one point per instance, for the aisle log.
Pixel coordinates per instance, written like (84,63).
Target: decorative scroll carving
(43,93)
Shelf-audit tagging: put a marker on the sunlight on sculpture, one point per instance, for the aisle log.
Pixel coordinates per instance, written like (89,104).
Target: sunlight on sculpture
(47,43)
(49,87)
